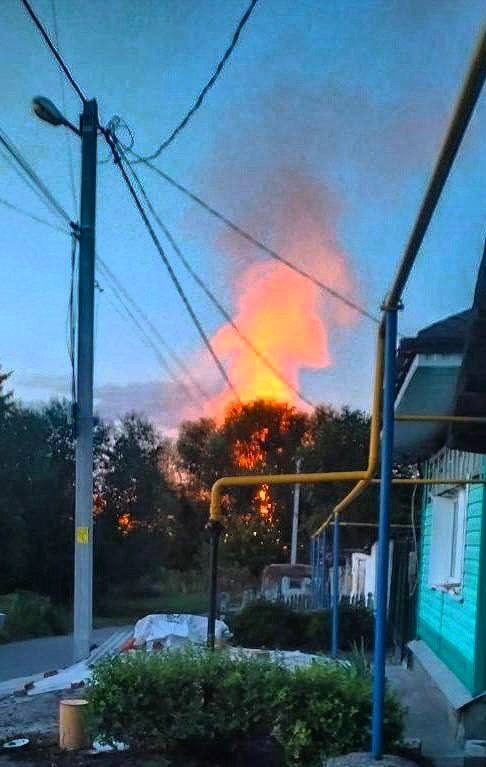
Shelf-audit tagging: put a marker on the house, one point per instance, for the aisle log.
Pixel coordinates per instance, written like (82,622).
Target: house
(287,583)
(442,371)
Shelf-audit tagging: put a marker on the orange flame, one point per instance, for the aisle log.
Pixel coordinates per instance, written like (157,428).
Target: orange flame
(285,316)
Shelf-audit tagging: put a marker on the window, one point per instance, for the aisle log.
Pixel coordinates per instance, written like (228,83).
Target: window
(447,540)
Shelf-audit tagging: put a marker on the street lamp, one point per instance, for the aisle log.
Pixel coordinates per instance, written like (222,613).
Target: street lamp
(83,407)
(49,113)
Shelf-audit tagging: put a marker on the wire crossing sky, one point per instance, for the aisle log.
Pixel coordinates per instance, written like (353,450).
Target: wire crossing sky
(346,102)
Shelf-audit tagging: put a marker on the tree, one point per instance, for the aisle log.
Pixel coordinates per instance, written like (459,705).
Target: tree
(255,437)
(131,528)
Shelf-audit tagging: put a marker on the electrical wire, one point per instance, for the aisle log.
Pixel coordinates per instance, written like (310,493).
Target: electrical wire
(118,161)
(49,200)
(198,102)
(258,244)
(71,314)
(208,292)
(147,339)
(53,49)
(25,178)
(67,134)
(32,216)
(154,330)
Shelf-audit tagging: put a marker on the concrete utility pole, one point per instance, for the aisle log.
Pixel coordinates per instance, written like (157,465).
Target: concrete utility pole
(295,518)
(83,558)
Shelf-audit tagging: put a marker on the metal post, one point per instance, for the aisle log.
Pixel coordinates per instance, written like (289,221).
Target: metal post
(295,519)
(323,569)
(335,590)
(383,535)
(214,532)
(313,571)
(83,547)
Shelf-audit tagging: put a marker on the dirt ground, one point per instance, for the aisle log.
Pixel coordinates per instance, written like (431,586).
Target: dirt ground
(36,718)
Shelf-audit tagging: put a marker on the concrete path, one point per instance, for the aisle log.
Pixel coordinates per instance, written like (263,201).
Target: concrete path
(426,716)
(34,656)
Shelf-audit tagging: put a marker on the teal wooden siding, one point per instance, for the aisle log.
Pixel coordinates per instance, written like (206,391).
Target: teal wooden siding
(448,624)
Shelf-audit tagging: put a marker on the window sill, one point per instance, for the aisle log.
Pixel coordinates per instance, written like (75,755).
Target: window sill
(454,590)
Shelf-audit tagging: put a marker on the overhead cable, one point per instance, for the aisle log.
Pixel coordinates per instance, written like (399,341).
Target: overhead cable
(119,162)
(32,216)
(227,316)
(260,245)
(50,201)
(53,49)
(121,292)
(145,336)
(198,102)
(67,134)
(155,331)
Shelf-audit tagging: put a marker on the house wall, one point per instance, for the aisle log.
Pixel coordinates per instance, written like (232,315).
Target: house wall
(450,624)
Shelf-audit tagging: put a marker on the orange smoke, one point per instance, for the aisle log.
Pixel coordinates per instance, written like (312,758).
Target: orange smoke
(284,315)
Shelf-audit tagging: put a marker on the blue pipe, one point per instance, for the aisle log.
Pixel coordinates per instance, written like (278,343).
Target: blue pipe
(335,590)
(384,535)
(323,570)
(313,569)
(319,570)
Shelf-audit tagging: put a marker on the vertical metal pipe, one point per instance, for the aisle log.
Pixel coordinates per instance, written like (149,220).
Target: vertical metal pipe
(383,535)
(323,569)
(335,590)
(83,514)
(295,518)
(214,532)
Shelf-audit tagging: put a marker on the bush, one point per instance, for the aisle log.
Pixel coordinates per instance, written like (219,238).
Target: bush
(182,700)
(199,703)
(275,626)
(326,711)
(268,624)
(32,615)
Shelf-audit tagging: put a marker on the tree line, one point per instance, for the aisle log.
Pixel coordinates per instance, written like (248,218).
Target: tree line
(151,494)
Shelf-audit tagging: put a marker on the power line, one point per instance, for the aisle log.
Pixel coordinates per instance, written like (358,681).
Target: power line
(53,49)
(121,291)
(32,216)
(49,200)
(227,316)
(198,102)
(172,274)
(146,338)
(155,331)
(25,178)
(260,245)
(67,134)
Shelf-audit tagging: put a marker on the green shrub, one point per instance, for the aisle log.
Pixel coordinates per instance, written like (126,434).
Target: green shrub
(268,624)
(184,699)
(325,711)
(32,615)
(276,626)
(200,703)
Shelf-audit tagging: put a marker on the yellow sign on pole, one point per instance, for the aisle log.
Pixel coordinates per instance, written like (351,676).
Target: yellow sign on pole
(82,535)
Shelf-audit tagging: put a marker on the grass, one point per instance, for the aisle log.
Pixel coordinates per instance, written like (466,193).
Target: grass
(120,610)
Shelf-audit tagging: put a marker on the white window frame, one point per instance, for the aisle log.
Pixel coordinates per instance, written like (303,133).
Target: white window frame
(448,540)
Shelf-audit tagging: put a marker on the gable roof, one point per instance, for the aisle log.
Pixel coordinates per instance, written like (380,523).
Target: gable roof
(471,386)
(448,336)
(462,334)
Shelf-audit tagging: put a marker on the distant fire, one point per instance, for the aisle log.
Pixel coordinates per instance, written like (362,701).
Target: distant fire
(264,501)
(251,454)
(287,317)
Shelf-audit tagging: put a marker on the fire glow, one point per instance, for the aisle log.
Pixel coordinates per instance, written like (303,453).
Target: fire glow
(284,315)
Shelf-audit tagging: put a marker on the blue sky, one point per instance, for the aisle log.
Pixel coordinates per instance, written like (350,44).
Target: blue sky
(353,95)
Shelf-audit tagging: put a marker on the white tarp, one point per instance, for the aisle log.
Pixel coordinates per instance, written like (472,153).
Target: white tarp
(193,628)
